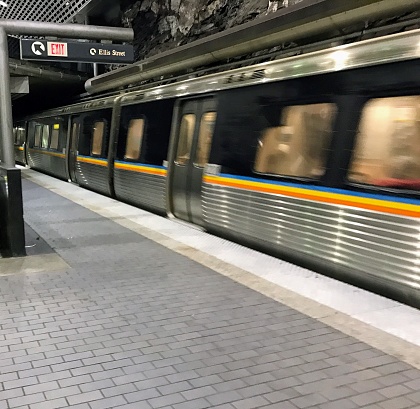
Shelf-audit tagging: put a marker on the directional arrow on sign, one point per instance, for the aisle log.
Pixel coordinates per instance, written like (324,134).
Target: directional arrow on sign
(38,48)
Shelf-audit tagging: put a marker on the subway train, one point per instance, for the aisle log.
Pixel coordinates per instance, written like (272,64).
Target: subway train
(313,158)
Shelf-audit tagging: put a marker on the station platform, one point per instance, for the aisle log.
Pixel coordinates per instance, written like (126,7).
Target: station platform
(115,307)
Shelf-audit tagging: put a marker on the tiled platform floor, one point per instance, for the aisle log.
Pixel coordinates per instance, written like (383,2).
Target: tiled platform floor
(124,322)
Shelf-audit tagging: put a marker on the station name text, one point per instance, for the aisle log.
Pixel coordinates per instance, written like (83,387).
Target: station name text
(113,52)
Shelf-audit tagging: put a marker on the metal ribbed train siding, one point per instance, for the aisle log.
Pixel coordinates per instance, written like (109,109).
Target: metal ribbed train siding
(377,244)
(140,188)
(47,163)
(94,177)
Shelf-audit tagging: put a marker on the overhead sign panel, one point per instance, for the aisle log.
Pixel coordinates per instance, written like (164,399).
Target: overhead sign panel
(68,51)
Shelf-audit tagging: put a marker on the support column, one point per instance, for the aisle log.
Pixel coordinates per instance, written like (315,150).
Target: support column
(7,157)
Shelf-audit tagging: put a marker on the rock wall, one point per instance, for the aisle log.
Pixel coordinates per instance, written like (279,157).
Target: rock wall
(161,25)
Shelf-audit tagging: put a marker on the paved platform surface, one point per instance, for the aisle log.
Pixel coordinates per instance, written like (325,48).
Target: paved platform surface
(118,319)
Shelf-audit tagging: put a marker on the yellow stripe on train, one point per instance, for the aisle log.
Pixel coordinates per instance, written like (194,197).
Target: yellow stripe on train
(384,206)
(140,168)
(92,161)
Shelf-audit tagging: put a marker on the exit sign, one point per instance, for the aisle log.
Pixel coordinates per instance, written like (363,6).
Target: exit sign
(57,49)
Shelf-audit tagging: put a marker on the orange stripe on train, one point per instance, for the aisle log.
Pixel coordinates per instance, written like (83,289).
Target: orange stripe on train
(330,198)
(140,169)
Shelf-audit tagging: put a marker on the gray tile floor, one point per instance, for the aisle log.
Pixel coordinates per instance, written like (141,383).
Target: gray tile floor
(131,324)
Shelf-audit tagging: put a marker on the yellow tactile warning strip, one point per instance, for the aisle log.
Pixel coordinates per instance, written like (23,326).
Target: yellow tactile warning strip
(43,263)
(388,343)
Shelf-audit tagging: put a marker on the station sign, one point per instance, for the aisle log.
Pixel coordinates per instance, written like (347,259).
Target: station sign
(69,51)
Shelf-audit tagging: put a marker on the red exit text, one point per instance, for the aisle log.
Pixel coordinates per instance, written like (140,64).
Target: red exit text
(57,49)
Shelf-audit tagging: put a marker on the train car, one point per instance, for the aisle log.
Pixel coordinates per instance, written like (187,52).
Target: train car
(314,158)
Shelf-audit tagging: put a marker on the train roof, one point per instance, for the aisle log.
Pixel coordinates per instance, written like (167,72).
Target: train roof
(382,50)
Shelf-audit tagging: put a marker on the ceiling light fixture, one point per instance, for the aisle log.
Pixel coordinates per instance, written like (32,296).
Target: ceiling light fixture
(3,4)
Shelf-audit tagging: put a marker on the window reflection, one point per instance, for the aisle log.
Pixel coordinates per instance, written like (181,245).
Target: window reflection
(299,146)
(45,135)
(205,138)
(186,133)
(54,136)
(134,139)
(38,131)
(98,133)
(387,148)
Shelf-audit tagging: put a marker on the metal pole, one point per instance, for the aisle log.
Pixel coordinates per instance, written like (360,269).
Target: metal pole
(94,65)
(20,68)
(7,157)
(37,28)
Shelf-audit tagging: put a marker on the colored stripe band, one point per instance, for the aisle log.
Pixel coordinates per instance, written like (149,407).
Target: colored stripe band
(92,161)
(134,167)
(368,202)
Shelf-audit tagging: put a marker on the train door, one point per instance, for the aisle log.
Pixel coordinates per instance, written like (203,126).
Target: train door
(194,136)
(72,149)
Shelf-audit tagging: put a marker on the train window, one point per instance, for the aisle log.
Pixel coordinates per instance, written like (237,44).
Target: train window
(54,136)
(45,136)
(205,136)
(299,146)
(186,133)
(387,147)
(21,136)
(38,132)
(134,139)
(74,136)
(98,133)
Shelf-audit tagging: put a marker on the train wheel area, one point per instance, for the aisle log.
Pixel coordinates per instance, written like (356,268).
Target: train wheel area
(140,311)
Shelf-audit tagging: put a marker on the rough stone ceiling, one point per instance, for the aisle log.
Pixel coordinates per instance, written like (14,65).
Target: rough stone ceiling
(57,11)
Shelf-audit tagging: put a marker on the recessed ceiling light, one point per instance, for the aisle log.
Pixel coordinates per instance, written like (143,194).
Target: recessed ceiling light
(3,3)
